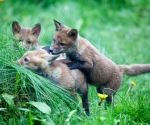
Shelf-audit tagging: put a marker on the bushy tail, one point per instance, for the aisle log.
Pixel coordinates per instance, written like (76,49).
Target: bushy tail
(134,69)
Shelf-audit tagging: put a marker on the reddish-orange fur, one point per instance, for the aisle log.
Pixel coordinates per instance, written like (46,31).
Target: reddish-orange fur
(101,72)
(43,63)
(27,36)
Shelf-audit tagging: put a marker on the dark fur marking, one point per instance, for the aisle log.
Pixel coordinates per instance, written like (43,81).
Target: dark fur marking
(75,64)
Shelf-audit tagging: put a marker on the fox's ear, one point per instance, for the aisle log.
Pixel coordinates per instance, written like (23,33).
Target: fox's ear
(57,25)
(16,27)
(36,29)
(51,58)
(73,33)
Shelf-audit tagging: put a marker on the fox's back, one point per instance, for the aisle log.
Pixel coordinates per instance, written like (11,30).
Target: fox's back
(103,68)
(67,77)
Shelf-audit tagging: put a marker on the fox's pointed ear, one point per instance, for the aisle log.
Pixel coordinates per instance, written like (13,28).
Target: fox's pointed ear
(73,33)
(51,58)
(57,25)
(16,27)
(36,29)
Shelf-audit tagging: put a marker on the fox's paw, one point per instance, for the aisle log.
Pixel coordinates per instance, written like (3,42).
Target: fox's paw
(71,65)
(75,64)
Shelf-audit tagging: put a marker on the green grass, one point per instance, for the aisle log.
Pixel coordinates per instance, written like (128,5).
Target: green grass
(118,28)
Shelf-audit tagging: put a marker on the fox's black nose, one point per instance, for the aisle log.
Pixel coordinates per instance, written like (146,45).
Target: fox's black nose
(50,50)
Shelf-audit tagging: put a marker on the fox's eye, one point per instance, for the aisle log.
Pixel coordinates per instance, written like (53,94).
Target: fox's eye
(29,42)
(62,44)
(26,60)
(54,40)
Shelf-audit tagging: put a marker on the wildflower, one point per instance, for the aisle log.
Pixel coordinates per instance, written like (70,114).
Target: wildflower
(130,87)
(102,96)
(133,83)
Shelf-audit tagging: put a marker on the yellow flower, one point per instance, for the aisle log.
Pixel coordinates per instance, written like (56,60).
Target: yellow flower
(133,83)
(1,0)
(102,96)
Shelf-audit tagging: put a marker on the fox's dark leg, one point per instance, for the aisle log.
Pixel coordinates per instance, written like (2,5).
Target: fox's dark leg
(111,87)
(109,99)
(85,104)
(83,91)
(75,64)
(99,90)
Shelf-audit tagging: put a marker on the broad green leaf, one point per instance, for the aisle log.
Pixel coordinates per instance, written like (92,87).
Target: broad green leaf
(41,106)
(9,99)
(46,120)
(49,121)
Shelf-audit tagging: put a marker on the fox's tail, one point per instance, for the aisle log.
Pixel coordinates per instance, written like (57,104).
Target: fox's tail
(134,69)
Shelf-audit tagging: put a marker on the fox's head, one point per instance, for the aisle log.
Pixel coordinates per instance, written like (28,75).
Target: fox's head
(36,60)
(64,39)
(28,37)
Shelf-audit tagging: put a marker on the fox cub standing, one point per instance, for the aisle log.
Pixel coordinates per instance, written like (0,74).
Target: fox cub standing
(43,63)
(27,36)
(100,71)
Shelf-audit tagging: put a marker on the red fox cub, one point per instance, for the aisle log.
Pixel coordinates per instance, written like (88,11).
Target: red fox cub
(27,36)
(43,63)
(100,71)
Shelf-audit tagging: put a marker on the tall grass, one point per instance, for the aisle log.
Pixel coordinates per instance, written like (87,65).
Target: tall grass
(26,86)
(118,28)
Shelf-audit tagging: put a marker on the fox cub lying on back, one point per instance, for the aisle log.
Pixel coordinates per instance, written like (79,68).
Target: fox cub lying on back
(43,63)
(101,72)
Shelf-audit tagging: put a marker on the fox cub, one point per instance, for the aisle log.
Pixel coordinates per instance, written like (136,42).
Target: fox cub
(43,63)
(28,37)
(100,71)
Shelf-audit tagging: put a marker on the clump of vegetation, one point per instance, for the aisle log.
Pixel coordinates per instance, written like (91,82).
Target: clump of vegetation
(119,29)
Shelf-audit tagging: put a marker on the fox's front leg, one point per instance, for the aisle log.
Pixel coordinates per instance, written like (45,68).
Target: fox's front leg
(75,64)
(80,65)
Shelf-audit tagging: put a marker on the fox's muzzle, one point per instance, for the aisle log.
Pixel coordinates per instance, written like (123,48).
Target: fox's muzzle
(17,61)
(50,49)
(54,51)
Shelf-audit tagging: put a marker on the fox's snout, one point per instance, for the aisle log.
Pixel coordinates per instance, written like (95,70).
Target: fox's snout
(54,51)
(50,49)
(17,61)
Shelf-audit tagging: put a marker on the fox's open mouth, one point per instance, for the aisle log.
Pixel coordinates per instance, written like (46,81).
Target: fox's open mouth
(56,52)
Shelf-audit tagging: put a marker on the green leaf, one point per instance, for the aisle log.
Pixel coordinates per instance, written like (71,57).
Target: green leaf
(30,119)
(49,121)
(23,109)
(46,120)
(3,109)
(16,83)
(41,106)
(9,99)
